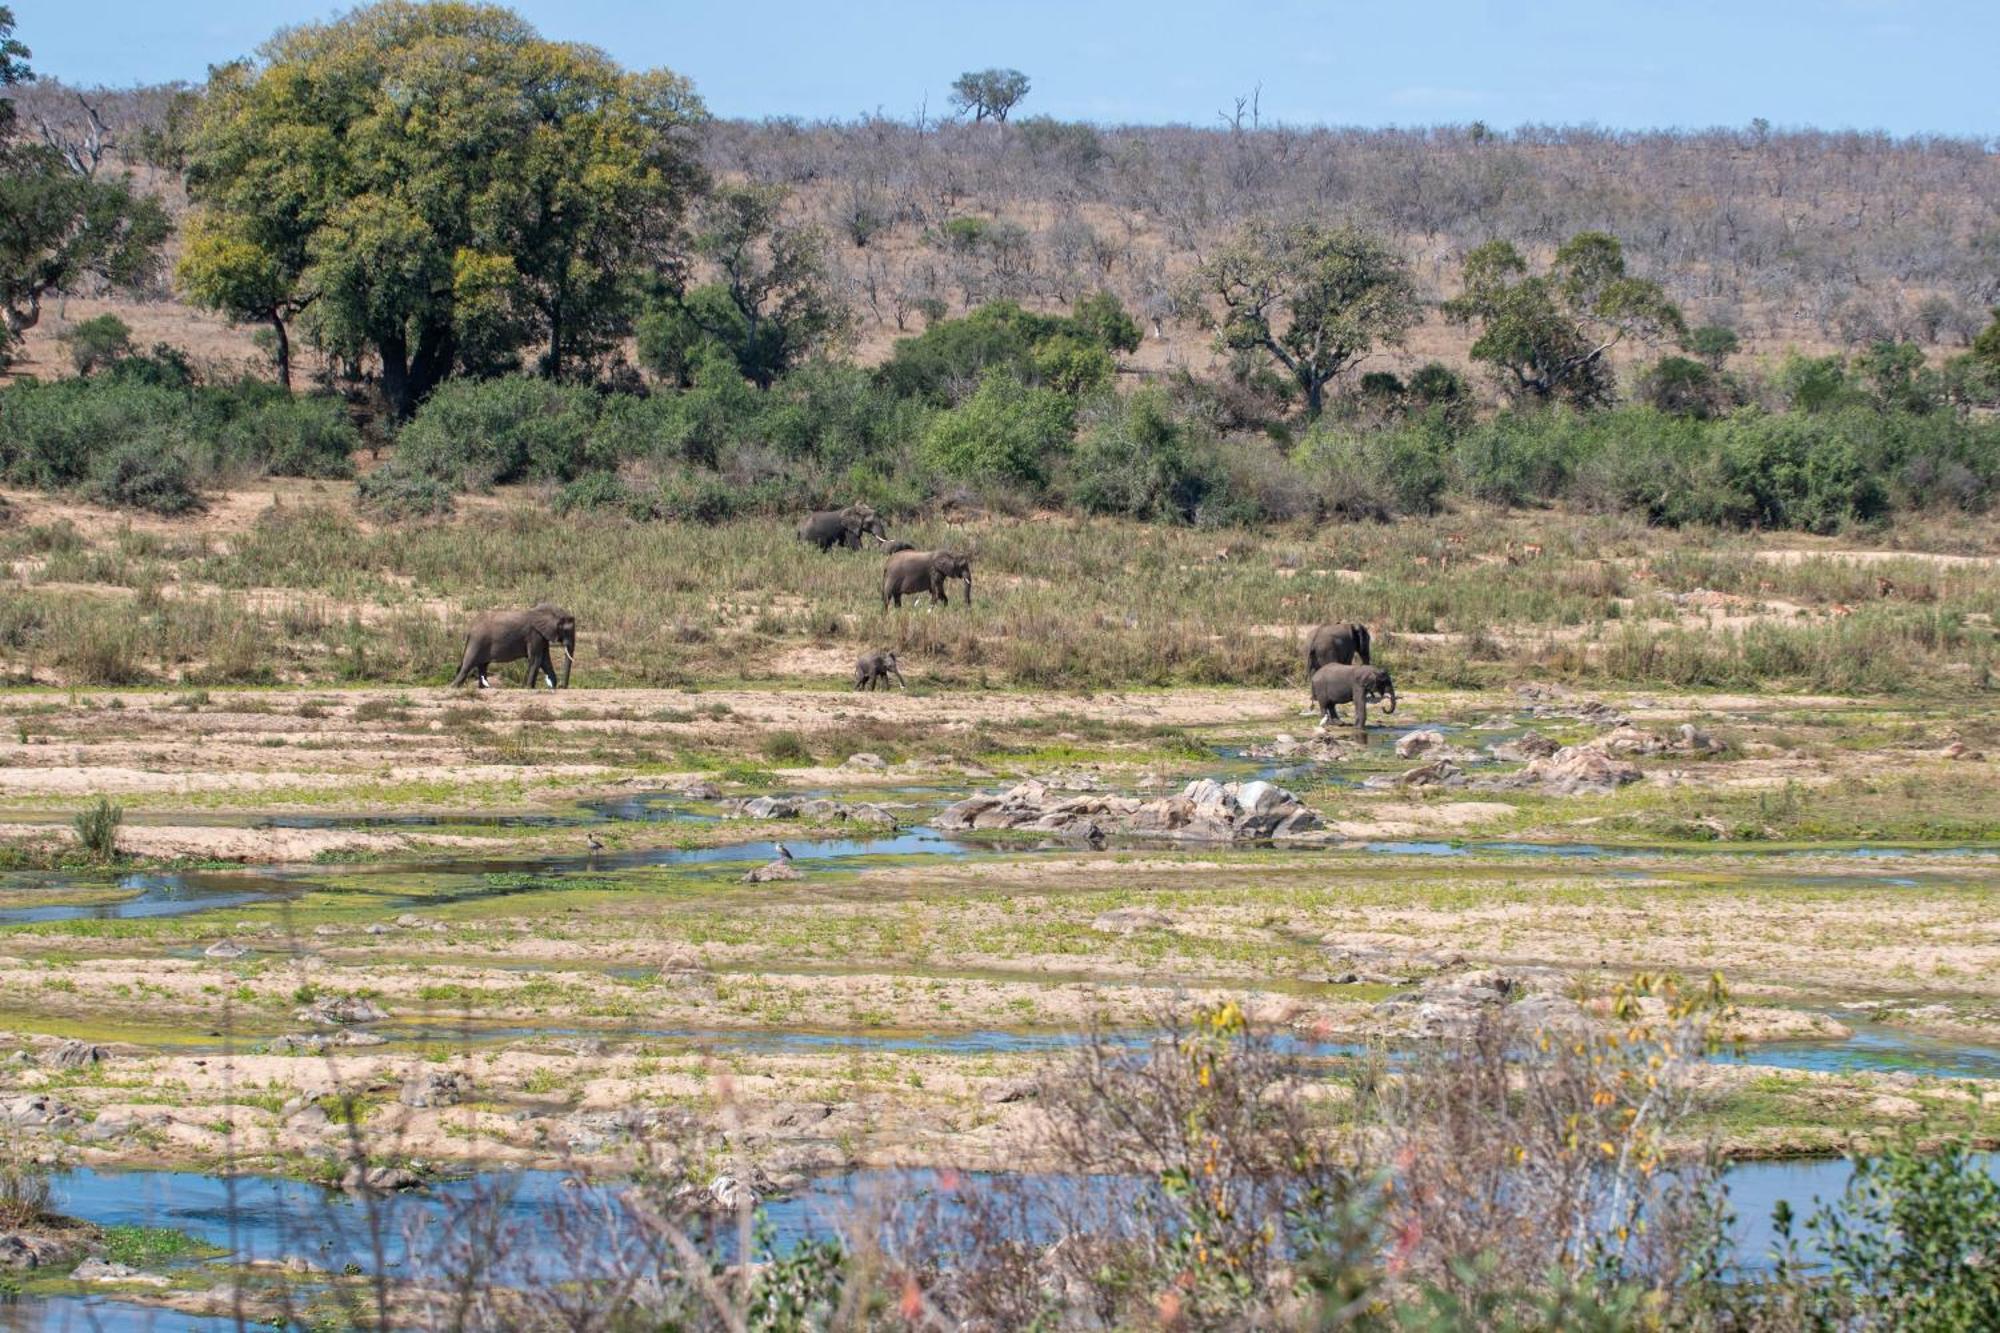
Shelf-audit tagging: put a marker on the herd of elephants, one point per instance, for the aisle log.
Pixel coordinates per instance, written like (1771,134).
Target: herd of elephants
(1338,665)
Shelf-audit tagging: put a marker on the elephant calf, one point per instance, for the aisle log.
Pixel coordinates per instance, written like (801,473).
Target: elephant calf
(1336,684)
(509,636)
(913,572)
(871,669)
(1336,643)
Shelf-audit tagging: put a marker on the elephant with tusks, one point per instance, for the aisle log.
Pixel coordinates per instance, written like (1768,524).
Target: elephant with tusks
(849,527)
(1336,684)
(509,636)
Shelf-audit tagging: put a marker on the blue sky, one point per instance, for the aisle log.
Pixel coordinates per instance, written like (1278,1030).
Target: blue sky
(1907,66)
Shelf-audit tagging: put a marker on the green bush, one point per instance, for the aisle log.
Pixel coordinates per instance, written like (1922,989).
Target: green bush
(96,828)
(396,493)
(97,343)
(152,476)
(1137,459)
(473,435)
(292,437)
(1006,432)
(595,491)
(51,435)
(1910,1245)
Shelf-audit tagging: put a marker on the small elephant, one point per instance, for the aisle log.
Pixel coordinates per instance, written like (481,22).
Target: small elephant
(508,636)
(1336,643)
(1335,684)
(913,572)
(847,527)
(896,546)
(871,669)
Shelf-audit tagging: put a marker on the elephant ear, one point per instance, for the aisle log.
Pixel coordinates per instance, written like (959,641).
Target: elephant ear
(546,621)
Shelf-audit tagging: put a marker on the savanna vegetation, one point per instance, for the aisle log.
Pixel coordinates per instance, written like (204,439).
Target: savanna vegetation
(580,280)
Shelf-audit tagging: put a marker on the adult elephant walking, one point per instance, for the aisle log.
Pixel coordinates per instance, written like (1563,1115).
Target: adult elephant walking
(828,528)
(509,636)
(1338,644)
(912,572)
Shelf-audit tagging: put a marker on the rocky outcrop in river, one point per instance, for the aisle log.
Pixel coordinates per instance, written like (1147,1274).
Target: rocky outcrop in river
(1203,811)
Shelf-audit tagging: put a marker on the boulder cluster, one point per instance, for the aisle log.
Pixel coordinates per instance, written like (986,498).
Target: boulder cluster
(1536,999)
(817,809)
(1203,811)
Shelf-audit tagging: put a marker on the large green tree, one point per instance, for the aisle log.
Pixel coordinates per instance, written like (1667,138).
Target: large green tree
(1547,335)
(438,185)
(1315,299)
(59,228)
(771,302)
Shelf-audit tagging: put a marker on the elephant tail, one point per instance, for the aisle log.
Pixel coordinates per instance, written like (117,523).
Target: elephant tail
(1361,643)
(465,665)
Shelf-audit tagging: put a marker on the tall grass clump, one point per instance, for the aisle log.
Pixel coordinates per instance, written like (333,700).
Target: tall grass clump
(25,1188)
(96,827)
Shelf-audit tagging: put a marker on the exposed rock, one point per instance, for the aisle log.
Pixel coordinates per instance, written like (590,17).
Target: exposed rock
(225,949)
(1204,811)
(411,921)
(361,1179)
(1571,771)
(333,1009)
(772,870)
(1696,741)
(1628,740)
(765,807)
(1315,747)
(37,1111)
(1010,1091)
(730,1193)
(873,816)
(74,1054)
(94,1269)
(359,1039)
(21,1251)
(1417,742)
(862,759)
(1538,699)
(1960,750)
(1437,773)
(1128,920)
(681,958)
(1528,745)
(298,1043)
(435,1088)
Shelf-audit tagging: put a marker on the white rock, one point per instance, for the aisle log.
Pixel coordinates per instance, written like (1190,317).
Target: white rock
(1417,742)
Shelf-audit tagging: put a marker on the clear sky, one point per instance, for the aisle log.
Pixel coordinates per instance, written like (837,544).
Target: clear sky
(1907,66)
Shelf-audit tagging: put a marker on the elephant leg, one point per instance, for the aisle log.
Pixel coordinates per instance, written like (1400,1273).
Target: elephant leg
(1361,710)
(484,683)
(900,681)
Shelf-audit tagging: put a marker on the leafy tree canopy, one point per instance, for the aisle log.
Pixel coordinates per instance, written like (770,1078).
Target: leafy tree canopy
(1071,353)
(1546,335)
(438,185)
(1314,299)
(988,94)
(774,301)
(59,227)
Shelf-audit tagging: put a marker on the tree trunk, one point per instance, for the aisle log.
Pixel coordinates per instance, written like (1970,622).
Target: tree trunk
(395,355)
(284,350)
(1315,396)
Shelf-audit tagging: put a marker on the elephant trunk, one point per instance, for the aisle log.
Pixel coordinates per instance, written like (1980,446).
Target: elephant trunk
(1392,700)
(968,590)
(569,659)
